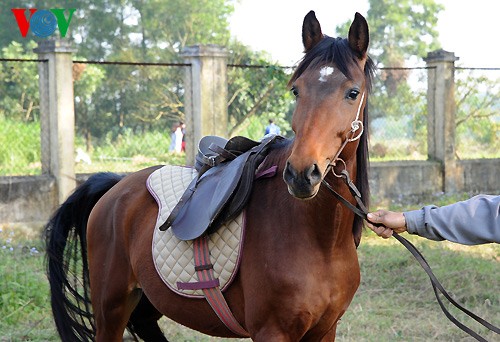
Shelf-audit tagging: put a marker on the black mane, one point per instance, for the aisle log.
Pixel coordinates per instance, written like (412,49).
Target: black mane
(337,51)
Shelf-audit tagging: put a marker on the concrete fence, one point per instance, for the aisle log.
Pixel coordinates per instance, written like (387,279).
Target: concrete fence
(34,198)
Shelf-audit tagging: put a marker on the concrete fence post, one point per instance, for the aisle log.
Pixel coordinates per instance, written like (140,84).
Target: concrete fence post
(441,110)
(57,113)
(205,95)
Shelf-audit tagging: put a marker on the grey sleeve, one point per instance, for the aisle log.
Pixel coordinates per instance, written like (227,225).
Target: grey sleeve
(471,222)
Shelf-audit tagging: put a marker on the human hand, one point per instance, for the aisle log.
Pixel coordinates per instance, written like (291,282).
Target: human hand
(387,222)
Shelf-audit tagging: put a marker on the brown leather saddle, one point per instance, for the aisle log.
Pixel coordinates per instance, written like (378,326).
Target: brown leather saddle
(223,185)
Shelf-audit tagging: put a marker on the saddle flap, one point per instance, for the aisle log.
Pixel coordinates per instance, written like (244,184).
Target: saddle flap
(213,190)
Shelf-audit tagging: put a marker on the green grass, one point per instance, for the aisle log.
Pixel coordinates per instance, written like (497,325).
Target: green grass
(24,304)
(394,302)
(20,151)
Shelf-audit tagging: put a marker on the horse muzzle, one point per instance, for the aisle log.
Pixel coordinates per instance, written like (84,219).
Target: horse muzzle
(302,184)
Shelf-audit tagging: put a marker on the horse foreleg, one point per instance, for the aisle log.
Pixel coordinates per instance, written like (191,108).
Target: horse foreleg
(330,335)
(273,333)
(277,335)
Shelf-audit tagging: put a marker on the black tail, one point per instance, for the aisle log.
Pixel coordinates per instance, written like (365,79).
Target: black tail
(67,267)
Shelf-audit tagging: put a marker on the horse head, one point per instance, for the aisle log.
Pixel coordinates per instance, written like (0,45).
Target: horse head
(330,86)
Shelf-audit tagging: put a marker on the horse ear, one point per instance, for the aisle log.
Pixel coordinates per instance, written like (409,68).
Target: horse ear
(359,35)
(311,31)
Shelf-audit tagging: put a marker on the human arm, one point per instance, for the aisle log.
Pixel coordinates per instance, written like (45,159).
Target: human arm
(471,222)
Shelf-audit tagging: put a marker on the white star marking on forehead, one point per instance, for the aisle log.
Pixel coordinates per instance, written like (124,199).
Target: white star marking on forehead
(324,73)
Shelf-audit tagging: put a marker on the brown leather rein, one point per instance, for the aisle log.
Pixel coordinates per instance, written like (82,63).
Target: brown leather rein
(362,212)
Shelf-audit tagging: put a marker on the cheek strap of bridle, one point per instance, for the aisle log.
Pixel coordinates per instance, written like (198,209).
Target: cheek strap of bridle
(356,124)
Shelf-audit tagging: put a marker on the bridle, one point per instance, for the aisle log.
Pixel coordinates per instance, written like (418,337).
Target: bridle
(352,135)
(362,211)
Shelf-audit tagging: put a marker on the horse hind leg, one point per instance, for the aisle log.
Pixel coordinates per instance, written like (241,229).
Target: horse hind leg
(114,294)
(112,312)
(144,322)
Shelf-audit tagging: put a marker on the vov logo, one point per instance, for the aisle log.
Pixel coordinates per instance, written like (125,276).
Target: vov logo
(43,23)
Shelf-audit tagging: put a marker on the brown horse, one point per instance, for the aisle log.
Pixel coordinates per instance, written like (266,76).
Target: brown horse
(299,270)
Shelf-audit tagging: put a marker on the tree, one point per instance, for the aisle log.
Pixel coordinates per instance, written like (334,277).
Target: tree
(138,97)
(406,30)
(115,98)
(19,98)
(477,119)
(399,31)
(256,92)
(87,79)
(156,31)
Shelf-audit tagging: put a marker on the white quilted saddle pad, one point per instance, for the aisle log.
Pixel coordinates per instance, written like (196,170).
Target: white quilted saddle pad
(174,258)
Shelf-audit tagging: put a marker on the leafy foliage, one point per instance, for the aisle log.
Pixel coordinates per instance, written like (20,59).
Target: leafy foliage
(256,92)
(477,100)
(140,98)
(10,32)
(19,98)
(111,100)
(401,30)
(125,153)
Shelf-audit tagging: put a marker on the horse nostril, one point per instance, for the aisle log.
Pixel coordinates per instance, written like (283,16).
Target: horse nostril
(289,173)
(313,174)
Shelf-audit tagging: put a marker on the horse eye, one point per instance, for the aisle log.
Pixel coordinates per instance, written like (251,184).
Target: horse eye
(294,91)
(353,94)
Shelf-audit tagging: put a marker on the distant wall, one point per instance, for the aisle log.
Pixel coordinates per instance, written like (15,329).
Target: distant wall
(415,178)
(27,199)
(420,178)
(481,175)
